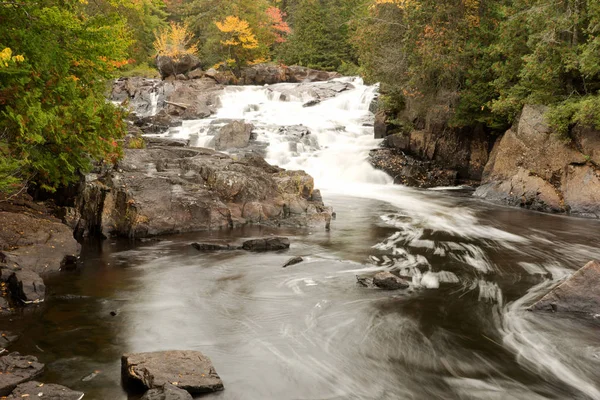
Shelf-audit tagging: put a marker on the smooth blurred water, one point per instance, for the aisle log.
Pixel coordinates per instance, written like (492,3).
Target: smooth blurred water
(310,331)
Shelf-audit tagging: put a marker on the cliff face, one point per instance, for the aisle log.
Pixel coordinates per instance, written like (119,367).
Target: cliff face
(531,167)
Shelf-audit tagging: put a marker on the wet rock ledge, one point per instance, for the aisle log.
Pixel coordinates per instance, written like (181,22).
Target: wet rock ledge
(165,190)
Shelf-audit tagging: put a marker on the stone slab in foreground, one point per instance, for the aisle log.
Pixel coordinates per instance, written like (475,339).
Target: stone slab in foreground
(580,293)
(48,391)
(16,369)
(186,369)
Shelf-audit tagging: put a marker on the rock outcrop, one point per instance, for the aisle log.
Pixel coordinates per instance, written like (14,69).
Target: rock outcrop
(579,294)
(163,190)
(426,158)
(235,135)
(531,167)
(16,369)
(188,370)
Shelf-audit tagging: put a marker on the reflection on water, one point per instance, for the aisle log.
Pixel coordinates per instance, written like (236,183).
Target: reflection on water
(310,332)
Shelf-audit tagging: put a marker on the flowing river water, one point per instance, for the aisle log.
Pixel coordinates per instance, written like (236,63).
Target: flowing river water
(310,331)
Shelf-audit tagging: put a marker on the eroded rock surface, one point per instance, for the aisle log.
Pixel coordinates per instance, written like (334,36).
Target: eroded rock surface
(16,369)
(531,167)
(167,392)
(580,293)
(44,391)
(163,190)
(188,370)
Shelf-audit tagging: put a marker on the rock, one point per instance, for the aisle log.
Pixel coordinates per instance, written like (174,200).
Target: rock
(214,247)
(298,131)
(235,135)
(580,293)
(167,392)
(293,261)
(46,391)
(380,125)
(164,190)
(311,103)
(169,66)
(34,240)
(267,244)
(191,370)
(268,74)
(389,281)
(166,141)
(6,338)
(195,74)
(16,369)
(27,286)
(531,167)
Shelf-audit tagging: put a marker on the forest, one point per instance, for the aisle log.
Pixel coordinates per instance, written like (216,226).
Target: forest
(478,62)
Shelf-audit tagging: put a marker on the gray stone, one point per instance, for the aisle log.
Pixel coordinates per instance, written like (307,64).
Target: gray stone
(191,370)
(235,135)
(167,392)
(293,261)
(214,247)
(169,66)
(16,369)
(267,244)
(580,293)
(44,391)
(27,286)
(389,281)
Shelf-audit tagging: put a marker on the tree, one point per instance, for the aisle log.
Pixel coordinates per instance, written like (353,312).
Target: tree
(54,118)
(240,41)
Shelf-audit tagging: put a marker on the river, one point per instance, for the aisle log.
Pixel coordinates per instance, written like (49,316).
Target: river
(310,331)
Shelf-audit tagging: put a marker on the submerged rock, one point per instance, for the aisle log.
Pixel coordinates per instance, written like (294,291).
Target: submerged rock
(580,293)
(44,391)
(16,369)
(267,244)
(214,247)
(167,392)
(389,281)
(188,370)
(293,261)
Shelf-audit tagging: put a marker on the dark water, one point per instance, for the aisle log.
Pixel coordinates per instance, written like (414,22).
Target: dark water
(310,332)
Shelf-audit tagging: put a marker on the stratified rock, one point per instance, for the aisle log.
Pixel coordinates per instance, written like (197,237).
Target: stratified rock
(27,286)
(44,391)
(389,281)
(170,66)
(164,190)
(214,247)
(16,369)
(267,244)
(580,293)
(188,370)
(293,261)
(235,135)
(167,392)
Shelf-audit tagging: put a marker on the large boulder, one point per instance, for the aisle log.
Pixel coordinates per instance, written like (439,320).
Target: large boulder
(173,66)
(163,190)
(235,135)
(16,369)
(45,391)
(188,370)
(531,167)
(580,293)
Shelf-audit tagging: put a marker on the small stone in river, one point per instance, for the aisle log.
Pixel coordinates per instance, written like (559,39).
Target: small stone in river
(48,391)
(213,247)
(167,392)
(389,281)
(192,370)
(267,244)
(293,261)
(113,313)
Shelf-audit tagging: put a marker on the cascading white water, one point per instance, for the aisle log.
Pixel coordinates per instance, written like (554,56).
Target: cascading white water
(341,134)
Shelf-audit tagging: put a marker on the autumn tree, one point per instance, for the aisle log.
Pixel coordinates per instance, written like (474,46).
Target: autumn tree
(54,118)
(239,40)
(174,41)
